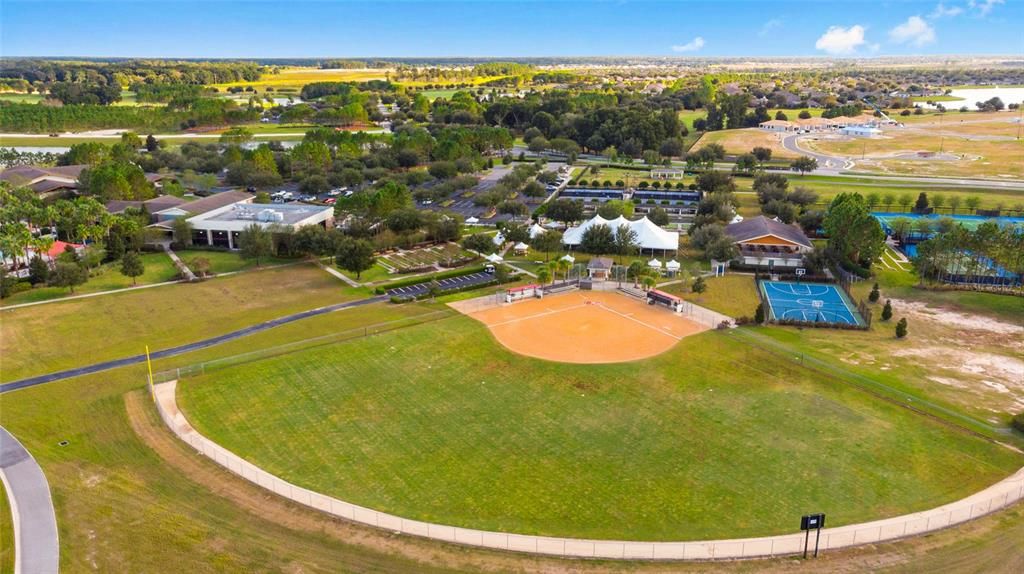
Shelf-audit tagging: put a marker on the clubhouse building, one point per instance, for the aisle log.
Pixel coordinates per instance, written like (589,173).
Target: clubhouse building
(765,242)
(222,226)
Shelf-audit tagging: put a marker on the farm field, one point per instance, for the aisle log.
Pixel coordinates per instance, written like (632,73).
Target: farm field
(292,79)
(743,140)
(159,268)
(624,438)
(119,325)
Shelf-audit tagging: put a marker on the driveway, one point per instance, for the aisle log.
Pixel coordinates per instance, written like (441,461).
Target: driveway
(36,548)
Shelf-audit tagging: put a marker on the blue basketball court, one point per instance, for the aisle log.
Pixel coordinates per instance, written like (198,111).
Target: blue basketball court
(812,302)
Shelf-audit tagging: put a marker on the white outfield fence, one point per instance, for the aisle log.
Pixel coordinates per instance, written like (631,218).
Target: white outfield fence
(1000,495)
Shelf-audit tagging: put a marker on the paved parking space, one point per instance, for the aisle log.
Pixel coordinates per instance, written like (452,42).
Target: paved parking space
(446,285)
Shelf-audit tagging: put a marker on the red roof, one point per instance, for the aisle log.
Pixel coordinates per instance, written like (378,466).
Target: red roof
(58,247)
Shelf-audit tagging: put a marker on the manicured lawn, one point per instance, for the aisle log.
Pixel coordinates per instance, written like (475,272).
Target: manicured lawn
(159,268)
(371,275)
(469,434)
(229,261)
(65,334)
(732,294)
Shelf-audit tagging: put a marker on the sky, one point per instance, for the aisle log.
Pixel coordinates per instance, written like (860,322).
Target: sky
(301,29)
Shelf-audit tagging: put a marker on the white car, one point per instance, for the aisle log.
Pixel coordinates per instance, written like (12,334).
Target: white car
(337,191)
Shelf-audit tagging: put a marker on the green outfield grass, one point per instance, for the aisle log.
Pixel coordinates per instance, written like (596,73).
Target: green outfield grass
(66,334)
(159,268)
(469,434)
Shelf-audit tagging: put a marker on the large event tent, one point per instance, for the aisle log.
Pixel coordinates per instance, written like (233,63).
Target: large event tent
(648,235)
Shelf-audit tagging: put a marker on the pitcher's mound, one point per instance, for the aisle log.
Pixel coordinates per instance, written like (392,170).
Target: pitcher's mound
(585,327)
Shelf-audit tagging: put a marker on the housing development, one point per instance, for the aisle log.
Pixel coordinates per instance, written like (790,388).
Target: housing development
(749,301)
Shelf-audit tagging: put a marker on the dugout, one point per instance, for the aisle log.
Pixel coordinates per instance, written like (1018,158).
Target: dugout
(523,292)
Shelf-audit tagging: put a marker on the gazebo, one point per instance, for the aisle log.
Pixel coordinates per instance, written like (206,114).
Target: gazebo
(521,248)
(494,258)
(568,258)
(672,267)
(654,264)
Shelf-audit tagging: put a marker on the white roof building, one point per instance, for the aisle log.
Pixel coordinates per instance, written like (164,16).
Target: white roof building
(536,230)
(221,227)
(648,235)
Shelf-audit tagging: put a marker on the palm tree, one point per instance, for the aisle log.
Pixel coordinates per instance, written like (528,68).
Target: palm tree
(544,275)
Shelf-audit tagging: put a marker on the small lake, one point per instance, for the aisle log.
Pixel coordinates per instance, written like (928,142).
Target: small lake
(970,96)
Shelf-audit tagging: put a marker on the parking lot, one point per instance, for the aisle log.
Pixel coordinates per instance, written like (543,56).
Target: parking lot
(446,285)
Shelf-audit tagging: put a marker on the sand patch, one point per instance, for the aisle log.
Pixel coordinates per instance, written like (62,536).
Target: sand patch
(959,321)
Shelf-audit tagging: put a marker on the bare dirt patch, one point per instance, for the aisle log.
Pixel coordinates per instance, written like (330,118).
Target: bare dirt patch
(959,321)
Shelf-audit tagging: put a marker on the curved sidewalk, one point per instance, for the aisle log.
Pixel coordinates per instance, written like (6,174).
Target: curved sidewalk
(36,548)
(999,495)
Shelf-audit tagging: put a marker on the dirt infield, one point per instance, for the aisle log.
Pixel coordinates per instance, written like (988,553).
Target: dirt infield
(584,327)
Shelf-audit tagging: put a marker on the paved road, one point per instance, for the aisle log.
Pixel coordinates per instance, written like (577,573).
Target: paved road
(827,164)
(446,285)
(36,548)
(189,347)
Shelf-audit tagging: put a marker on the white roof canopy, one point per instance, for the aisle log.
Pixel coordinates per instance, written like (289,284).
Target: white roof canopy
(648,235)
(672,265)
(536,230)
(654,263)
(494,258)
(472,220)
(568,258)
(521,246)
(499,239)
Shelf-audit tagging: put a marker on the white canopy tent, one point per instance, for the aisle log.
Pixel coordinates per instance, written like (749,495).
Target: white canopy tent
(672,266)
(521,246)
(536,230)
(568,258)
(471,220)
(648,235)
(654,264)
(494,258)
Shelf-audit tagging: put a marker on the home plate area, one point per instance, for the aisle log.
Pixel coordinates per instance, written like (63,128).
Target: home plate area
(585,327)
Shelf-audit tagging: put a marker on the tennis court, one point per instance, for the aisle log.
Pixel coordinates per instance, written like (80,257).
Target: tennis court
(812,302)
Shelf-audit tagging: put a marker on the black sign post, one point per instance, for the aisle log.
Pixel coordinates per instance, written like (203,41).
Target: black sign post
(812,522)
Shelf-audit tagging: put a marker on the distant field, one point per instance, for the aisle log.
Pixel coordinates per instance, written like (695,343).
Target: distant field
(743,140)
(298,77)
(980,158)
(936,99)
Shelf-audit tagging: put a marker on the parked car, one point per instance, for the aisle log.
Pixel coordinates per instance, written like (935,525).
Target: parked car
(330,201)
(337,191)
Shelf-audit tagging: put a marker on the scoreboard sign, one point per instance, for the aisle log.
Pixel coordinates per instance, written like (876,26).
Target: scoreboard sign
(812,522)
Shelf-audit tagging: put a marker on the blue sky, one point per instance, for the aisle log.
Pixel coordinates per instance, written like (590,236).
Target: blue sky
(229,29)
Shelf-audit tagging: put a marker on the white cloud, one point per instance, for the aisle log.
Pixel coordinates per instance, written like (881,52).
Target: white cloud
(983,7)
(691,46)
(769,27)
(838,40)
(941,11)
(915,31)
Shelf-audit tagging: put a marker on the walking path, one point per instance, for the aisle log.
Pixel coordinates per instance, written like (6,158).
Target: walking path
(1000,495)
(189,275)
(338,274)
(186,348)
(36,548)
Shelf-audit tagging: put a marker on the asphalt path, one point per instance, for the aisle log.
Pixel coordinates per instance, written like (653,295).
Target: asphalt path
(446,285)
(36,547)
(187,348)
